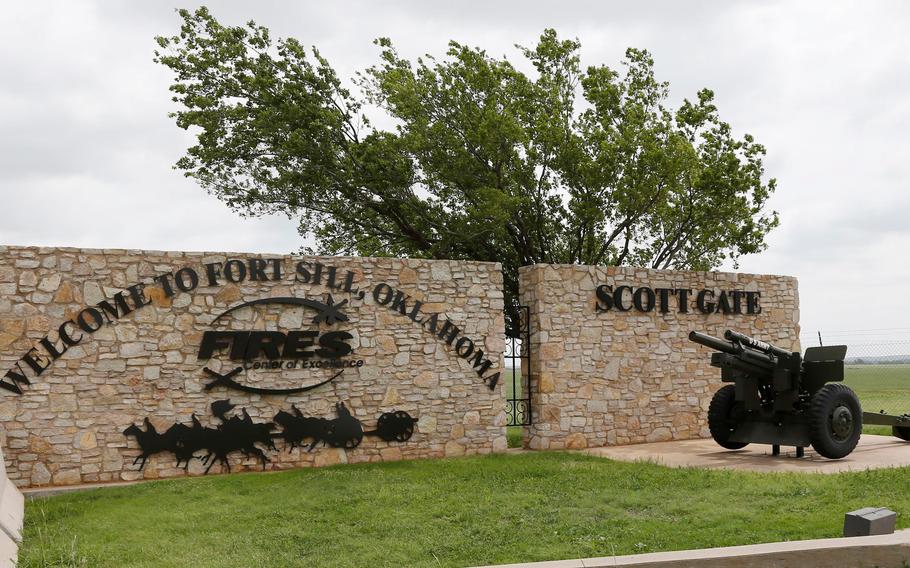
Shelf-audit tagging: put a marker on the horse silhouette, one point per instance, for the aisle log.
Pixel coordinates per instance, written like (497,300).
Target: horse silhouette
(184,441)
(149,440)
(235,434)
(249,433)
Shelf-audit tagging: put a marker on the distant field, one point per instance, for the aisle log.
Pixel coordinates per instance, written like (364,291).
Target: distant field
(880,387)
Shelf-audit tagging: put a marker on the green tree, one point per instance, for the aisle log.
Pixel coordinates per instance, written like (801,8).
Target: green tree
(486,162)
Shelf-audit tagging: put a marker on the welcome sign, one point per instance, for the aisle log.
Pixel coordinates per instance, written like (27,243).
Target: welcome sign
(118,365)
(279,350)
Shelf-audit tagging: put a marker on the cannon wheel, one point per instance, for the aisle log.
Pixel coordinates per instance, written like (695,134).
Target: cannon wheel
(835,420)
(902,432)
(720,421)
(403,420)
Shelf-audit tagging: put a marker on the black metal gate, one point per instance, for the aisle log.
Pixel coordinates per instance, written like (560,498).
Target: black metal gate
(518,365)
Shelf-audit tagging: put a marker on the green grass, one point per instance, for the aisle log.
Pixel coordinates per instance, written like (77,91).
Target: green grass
(453,512)
(880,387)
(515,436)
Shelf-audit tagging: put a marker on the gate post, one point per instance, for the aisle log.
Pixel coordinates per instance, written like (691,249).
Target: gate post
(542,369)
(517,356)
(575,371)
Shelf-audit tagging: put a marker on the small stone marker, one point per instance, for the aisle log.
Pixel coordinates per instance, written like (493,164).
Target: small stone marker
(869,521)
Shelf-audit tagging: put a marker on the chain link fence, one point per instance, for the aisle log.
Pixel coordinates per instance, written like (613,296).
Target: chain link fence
(877,366)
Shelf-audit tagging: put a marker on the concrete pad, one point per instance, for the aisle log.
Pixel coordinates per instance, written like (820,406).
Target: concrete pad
(882,551)
(873,452)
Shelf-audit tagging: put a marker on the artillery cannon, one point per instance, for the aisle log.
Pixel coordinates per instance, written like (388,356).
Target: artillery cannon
(782,398)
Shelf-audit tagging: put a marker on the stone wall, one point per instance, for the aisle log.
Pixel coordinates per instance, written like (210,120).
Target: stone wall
(98,341)
(604,377)
(67,426)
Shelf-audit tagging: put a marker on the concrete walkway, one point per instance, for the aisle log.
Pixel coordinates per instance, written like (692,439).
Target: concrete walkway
(873,452)
(60,489)
(882,551)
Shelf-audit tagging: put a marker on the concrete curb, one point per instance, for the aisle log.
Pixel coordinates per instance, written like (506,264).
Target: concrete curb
(12,512)
(51,490)
(882,551)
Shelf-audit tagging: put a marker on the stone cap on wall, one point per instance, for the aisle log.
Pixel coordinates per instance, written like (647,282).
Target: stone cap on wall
(178,253)
(613,269)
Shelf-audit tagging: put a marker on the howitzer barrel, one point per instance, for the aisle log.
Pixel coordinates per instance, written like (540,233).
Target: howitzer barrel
(755,344)
(713,342)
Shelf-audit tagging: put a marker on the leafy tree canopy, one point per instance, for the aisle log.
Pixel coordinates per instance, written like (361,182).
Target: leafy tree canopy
(486,162)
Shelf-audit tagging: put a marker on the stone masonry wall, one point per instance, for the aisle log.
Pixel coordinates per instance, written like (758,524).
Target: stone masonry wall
(67,426)
(619,377)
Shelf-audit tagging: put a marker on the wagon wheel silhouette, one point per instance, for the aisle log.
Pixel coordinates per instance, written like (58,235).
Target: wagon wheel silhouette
(399,425)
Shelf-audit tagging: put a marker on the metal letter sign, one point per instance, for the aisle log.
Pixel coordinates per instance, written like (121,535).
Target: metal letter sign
(241,434)
(644,299)
(307,349)
(278,350)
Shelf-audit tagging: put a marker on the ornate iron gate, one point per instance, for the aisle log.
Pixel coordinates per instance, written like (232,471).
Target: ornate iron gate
(518,363)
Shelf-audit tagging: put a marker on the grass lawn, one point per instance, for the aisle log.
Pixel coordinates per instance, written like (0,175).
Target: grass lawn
(880,387)
(453,512)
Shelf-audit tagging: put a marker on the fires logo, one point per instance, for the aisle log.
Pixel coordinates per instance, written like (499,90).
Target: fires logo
(279,350)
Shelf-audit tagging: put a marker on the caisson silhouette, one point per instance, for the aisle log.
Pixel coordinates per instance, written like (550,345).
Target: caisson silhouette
(242,434)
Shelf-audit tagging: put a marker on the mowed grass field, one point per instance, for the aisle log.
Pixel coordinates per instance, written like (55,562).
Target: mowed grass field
(452,512)
(880,387)
(460,512)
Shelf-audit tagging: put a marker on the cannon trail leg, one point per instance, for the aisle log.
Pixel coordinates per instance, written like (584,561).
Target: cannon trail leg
(775,450)
(800,451)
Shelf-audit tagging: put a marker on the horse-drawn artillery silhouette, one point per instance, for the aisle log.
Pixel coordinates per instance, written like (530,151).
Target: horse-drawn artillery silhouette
(241,433)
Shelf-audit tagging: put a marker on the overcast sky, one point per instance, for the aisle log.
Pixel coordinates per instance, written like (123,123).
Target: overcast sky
(87,146)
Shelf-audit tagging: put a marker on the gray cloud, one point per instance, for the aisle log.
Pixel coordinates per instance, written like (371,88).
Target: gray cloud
(87,149)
